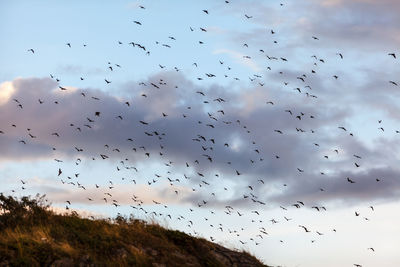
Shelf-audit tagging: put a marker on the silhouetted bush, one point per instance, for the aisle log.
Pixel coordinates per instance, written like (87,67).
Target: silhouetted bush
(25,211)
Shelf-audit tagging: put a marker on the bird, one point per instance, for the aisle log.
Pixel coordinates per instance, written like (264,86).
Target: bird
(195,122)
(305,228)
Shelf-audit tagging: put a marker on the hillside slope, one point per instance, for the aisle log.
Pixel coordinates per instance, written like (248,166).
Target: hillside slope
(32,235)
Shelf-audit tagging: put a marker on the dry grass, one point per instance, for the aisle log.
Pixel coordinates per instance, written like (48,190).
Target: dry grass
(36,236)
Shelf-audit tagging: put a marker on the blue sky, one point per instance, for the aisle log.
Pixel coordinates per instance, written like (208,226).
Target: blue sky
(241,62)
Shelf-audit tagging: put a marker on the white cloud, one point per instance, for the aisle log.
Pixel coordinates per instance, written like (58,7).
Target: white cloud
(6,91)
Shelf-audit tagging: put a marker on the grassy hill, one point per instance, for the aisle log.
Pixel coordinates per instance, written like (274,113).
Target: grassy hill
(32,235)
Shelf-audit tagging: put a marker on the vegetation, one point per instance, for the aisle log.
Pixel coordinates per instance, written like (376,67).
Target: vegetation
(33,235)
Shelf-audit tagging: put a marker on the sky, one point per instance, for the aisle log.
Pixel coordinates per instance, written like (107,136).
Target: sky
(265,126)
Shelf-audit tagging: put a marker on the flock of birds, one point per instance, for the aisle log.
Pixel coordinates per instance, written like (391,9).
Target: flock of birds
(206,144)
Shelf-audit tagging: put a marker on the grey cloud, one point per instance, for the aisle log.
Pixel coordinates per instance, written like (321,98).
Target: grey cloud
(366,189)
(295,149)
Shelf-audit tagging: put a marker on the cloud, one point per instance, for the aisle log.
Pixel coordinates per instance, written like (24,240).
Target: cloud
(341,26)
(370,24)
(120,194)
(213,130)
(6,91)
(365,190)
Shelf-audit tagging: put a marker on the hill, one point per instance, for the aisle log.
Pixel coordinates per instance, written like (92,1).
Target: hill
(31,234)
